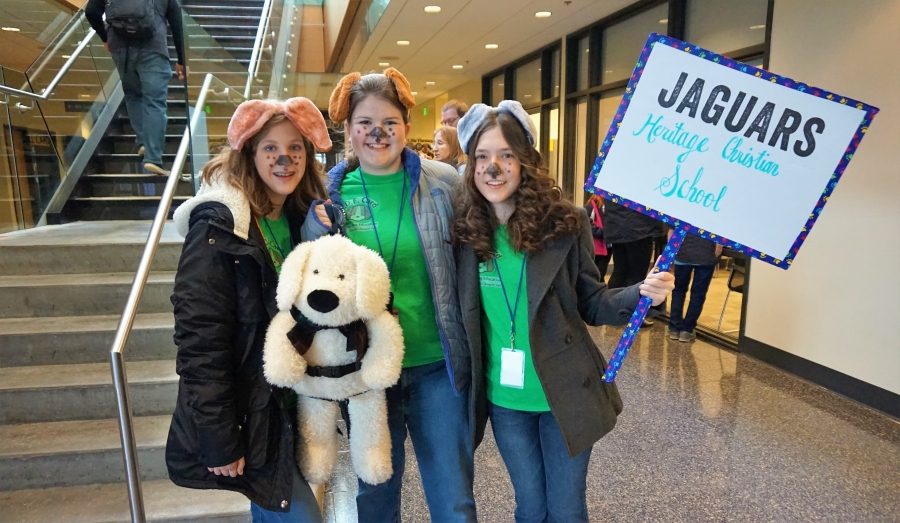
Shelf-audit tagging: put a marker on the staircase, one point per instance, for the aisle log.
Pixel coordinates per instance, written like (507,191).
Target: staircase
(62,291)
(218,39)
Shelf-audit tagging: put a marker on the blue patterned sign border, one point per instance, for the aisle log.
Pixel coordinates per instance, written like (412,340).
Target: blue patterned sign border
(724,61)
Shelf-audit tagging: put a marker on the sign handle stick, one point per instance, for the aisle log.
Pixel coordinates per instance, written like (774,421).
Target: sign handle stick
(634,324)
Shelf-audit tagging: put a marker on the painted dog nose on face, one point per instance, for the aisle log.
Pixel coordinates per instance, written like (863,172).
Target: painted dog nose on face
(323,301)
(492,170)
(378,133)
(283,160)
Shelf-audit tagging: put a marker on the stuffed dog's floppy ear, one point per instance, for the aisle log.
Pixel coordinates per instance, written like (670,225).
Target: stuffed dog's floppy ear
(373,283)
(291,278)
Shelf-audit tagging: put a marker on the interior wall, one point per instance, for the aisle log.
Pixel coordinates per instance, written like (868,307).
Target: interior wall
(837,305)
(311,51)
(334,12)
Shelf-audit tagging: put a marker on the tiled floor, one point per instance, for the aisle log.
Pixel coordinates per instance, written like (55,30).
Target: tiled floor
(709,435)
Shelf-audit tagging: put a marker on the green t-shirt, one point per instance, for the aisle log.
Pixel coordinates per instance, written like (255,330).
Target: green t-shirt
(410,282)
(523,389)
(277,234)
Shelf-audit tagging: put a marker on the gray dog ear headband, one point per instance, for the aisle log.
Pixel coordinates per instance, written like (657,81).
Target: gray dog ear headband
(476,114)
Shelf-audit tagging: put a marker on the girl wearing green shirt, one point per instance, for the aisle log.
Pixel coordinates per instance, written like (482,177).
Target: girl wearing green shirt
(400,206)
(527,286)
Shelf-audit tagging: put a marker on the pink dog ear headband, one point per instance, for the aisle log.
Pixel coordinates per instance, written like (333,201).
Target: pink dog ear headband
(252,115)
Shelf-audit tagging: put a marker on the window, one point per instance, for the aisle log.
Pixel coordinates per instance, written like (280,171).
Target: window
(554,73)
(622,42)
(497,89)
(609,104)
(584,55)
(528,83)
(551,156)
(726,25)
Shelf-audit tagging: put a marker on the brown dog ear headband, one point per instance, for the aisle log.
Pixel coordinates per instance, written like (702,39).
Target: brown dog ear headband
(339,103)
(252,115)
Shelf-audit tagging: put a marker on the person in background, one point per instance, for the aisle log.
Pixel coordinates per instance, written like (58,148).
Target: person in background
(695,261)
(602,250)
(452,111)
(527,286)
(400,206)
(447,149)
(631,235)
(141,53)
(231,430)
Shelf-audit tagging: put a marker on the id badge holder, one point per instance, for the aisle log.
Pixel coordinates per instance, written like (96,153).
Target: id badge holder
(512,368)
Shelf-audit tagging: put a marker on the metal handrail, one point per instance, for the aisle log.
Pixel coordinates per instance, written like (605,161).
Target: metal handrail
(45,93)
(256,54)
(126,322)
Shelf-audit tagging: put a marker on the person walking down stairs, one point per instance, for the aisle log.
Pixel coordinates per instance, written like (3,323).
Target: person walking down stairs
(135,34)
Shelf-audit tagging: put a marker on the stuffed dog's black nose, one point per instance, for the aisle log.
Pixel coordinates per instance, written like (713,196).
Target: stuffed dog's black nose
(323,301)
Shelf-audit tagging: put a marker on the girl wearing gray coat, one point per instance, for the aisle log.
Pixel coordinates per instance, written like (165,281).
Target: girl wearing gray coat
(525,266)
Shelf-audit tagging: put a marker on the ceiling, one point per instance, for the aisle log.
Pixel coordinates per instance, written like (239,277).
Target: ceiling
(457,36)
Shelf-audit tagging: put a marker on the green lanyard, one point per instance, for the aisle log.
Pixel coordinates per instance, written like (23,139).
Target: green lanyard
(272,244)
(511,308)
(362,179)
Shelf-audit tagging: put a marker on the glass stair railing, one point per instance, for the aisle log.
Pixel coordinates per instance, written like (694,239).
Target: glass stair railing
(68,146)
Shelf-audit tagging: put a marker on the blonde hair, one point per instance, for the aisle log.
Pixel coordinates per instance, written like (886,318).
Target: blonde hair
(238,169)
(450,136)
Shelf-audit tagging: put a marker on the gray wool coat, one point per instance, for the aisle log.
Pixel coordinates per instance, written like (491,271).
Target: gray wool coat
(564,292)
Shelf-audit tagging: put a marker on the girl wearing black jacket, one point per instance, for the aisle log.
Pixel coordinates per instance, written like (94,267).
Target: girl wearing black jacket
(231,430)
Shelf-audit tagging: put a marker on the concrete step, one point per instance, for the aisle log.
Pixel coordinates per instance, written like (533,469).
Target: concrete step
(128,185)
(113,246)
(83,391)
(108,503)
(116,208)
(82,339)
(51,295)
(34,455)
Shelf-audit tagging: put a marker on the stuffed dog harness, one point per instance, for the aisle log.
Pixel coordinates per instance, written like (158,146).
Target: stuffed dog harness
(302,334)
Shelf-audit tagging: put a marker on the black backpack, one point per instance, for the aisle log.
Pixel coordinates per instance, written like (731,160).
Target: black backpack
(132,20)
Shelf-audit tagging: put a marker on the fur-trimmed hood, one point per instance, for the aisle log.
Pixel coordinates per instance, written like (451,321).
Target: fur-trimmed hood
(221,192)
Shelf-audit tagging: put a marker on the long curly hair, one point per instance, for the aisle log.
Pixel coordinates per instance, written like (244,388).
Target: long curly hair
(238,169)
(541,214)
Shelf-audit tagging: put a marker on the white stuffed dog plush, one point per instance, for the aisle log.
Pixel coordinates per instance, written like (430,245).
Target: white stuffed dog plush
(333,339)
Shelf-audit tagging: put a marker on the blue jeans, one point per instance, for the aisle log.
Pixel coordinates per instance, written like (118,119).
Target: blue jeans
(145,79)
(304,507)
(702,278)
(424,405)
(549,484)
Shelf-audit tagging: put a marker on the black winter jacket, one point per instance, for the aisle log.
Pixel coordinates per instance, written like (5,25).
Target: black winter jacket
(623,225)
(223,300)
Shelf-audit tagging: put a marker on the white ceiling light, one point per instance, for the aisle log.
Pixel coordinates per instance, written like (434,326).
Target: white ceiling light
(429,83)
(491,46)
(755,27)
(414,93)
(457,66)
(384,64)
(663,21)
(431,9)
(11,29)
(542,14)
(402,42)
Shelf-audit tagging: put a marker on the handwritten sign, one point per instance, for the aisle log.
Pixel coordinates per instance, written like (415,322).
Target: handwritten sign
(735,154)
